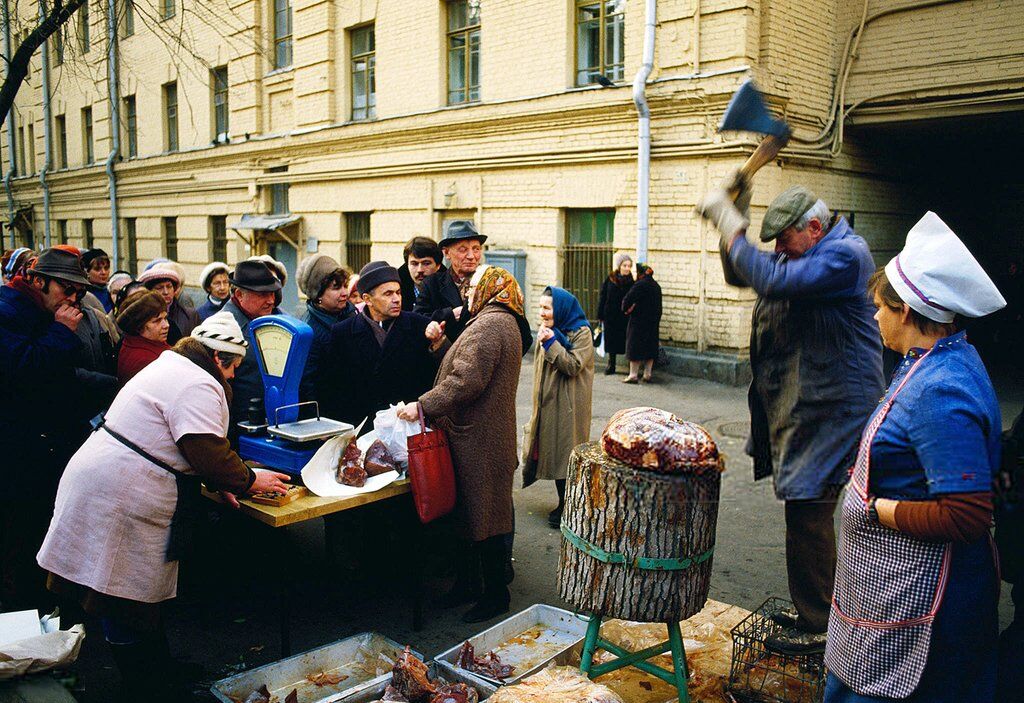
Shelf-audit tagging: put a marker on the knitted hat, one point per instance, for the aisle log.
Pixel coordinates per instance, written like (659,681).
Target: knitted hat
(151,276)
(90,255)
(118,280)
(276,266)
(155,262)
(221,332)
(313,274)
(374,274)
(619,257)
(211,270)
(139,308)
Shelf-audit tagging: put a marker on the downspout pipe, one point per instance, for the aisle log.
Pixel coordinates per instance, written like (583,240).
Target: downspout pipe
(47,135)
(643,162)
(9,53)
(115,133)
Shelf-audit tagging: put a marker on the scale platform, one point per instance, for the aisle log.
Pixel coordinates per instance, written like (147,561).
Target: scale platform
(309,430)
(289,446)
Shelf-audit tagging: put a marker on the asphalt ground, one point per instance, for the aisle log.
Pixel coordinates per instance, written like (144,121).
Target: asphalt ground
(227,616)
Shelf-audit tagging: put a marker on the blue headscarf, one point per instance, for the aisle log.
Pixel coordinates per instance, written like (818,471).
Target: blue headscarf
(569,315)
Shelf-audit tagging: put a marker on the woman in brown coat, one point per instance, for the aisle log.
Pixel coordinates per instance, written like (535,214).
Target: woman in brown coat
(563,386)
(474,401)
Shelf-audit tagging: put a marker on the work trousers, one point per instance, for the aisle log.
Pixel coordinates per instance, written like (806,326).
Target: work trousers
(811,559)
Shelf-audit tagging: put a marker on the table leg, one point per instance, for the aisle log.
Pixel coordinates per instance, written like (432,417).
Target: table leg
(590,644)
(675,639)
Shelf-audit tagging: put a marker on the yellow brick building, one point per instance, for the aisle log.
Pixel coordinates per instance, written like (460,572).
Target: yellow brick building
(486,109)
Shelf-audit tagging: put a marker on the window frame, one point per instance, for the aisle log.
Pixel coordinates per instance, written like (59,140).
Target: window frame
(19,163)
(131,236)
(279,198)
(168,9)
(169,225)
(88,234)
(594,254)
(88,136)
(59,40)
(61,128)
(220,90)
(84,39)
(359,247)
(467,33)
(171,136)
(129,18)
(218,238)
(369,73)
(602,23)
(131,126)
(281,49)
(30,144)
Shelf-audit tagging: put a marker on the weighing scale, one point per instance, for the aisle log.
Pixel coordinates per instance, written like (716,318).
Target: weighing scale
(283,442)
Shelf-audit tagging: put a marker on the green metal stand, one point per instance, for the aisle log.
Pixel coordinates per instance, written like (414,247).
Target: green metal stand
(678,677)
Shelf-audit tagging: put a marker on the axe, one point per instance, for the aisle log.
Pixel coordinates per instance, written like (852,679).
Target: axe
(746,112)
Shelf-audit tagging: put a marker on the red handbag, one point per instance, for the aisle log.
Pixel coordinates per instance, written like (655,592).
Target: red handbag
(431,472)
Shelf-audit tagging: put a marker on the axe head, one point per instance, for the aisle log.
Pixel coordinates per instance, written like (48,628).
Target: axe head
(746,112)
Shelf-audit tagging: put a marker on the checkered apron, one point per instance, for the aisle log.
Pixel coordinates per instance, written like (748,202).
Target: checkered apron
(889,586)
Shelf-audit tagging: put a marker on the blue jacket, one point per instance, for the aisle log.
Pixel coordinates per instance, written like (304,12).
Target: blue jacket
(209,308)
(816,360)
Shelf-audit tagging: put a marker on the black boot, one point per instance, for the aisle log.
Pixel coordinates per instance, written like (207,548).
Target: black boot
(147,661)
(467,587)
(555,516)
(496,597)
(610,371)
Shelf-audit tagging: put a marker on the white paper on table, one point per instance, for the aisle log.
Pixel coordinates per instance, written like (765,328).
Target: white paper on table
(319,474)
(19,625)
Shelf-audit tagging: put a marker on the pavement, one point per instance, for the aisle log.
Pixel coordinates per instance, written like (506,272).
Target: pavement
(228,612)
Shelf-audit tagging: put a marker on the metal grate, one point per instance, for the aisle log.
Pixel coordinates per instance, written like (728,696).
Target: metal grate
(357,240)
(758,675)
(587,255)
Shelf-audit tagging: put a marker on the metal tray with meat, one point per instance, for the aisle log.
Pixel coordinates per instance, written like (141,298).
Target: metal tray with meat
(321,675)
(452,687)
(527,642)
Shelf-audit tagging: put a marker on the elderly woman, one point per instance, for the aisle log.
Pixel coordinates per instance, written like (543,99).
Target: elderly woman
(914,609)
(214,281)
(124,501)
(563,385)
(474,401)
(143,319)
(166,279)
(642,304)
(609,308)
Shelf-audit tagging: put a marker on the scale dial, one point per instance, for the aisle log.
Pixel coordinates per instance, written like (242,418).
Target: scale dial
(274,344)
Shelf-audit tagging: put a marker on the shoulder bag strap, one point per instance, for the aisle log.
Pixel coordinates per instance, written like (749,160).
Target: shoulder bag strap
(100,422)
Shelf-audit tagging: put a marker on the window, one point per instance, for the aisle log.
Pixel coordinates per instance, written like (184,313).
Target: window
(600,40)
(357,240)
(171,116)
(62,231)
(587,255)
(171,238)
(31,152)
(167,9)
(18,162)
(132,250)
(463,51)
(219,238)
(87,239)
(131,123)
(83,27)
(58,46)
(61,128)
(87,144)
(279,199)
(364,84)
(219,85)
(129,17)
(282,33)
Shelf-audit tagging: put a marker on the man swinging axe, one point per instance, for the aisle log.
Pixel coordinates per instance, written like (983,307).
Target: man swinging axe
(815,357)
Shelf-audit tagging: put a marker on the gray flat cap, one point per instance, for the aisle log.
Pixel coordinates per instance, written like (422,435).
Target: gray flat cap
(788,207)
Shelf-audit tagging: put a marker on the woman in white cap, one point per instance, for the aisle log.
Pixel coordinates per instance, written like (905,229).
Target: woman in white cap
(914,609)
(214,280)
(125,500)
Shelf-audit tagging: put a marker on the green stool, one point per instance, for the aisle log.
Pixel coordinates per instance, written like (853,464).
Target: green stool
(678,677)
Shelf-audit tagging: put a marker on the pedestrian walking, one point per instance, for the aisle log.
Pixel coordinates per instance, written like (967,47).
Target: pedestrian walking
(421,258)
(143,318)
(115,551)
(914,615)
(214,281)
(563,386)
(474,401)
(324,282)
(609,308)
(642,305)
(443,295)
(815,357)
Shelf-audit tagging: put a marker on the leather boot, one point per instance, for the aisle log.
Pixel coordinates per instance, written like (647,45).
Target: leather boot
(610,370)
(496,597)
(467,587)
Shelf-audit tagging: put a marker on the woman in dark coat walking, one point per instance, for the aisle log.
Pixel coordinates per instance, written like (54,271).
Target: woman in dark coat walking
(642,304)
(609,308)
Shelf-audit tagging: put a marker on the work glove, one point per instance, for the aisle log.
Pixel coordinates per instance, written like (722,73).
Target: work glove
(719,209)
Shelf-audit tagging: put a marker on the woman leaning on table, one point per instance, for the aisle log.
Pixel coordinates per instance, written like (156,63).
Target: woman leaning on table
(914,609)
(123,506)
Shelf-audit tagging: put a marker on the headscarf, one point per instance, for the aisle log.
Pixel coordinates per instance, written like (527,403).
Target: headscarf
(643,270)
(17,261)
(568,314)
(496,285)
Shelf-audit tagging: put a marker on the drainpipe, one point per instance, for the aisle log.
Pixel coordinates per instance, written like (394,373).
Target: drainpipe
(10,133)
(115,132)
(47,137)
(643,163)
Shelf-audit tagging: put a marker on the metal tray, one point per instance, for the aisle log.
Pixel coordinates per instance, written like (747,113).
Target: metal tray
(355,657)
(529,641)
(373,693)
(309,430)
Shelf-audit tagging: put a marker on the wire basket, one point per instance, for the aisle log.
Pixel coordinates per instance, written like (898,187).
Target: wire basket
(758,675)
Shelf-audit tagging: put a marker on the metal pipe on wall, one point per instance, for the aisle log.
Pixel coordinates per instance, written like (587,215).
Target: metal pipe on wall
(47,136)
(10,131)
(643,162)
(115,132)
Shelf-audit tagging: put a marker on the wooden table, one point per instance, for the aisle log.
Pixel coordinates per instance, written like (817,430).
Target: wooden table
(311,507)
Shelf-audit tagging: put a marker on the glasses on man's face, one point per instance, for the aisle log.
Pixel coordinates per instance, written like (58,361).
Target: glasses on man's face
(71,290)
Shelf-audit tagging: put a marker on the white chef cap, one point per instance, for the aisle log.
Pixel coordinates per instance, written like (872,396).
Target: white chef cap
(938,277)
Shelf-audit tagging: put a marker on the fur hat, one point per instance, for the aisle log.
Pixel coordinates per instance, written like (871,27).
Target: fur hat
(211,270)
(139,308)
(221,332)
(313,274)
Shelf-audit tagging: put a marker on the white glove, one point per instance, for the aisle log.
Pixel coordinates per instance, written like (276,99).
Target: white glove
(719,209)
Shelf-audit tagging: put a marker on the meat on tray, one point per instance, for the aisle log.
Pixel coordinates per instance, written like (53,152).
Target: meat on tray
(488,665)
(409,677)
(455,693)
(378,459)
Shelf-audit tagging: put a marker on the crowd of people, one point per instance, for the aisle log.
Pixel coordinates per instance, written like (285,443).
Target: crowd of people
(122,380)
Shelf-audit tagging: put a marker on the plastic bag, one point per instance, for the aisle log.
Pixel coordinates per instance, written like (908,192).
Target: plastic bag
(556,684)
(599,342)
(648,438)
(393,432)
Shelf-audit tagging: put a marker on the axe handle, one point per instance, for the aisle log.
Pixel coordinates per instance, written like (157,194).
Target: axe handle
(764,154)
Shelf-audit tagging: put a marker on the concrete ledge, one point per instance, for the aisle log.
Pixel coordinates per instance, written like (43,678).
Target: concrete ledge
(729,369)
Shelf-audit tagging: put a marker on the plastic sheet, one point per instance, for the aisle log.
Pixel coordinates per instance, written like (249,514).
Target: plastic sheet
(653,439)
(557,684)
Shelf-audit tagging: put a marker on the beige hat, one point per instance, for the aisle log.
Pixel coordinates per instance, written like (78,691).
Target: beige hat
(276,266)
(221,332)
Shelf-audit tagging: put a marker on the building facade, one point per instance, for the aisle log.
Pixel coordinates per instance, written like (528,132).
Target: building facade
(349,126)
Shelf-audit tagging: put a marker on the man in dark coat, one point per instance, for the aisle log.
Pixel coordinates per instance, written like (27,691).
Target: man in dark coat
(254,290)
(379,357)
(39,420)
(816,360)
(443,295)
(422,258)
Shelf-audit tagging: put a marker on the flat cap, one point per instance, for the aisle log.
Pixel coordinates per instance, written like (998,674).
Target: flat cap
(788,207)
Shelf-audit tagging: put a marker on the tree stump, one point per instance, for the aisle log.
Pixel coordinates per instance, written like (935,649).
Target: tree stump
(618,519)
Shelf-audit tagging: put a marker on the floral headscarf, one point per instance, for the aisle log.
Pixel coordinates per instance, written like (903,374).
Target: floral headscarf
(496,285)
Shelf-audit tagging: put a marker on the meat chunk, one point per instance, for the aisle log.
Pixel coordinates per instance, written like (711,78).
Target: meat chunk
(487,665)
(352,451)
(378,459)
(409,677)
(260,695)
(350,473)
(392,694)
(455,693)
